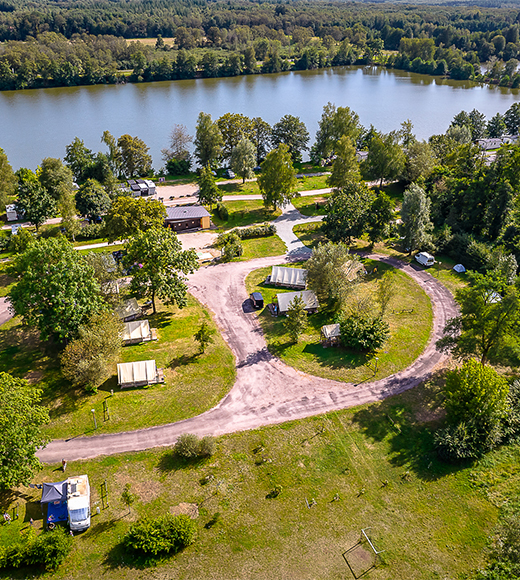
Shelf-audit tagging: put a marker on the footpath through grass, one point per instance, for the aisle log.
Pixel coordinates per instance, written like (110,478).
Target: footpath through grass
(372,466)
(409,316)
(193,383)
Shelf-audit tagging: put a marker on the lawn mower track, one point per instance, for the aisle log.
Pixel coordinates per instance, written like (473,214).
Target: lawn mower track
(266,390)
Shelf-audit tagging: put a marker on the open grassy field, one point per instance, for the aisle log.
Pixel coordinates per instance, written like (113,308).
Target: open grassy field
(311,205)
(244,213)
(310,234)
(193,383)
(409,316)
(251,187)
(367,467)
(262,247)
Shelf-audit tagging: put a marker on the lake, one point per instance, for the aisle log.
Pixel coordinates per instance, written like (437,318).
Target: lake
(41,122)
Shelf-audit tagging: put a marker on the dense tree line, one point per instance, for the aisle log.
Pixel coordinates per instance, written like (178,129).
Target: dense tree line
(84,43)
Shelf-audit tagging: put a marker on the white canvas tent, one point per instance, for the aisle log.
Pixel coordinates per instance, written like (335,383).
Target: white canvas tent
(459,268)
(292,277)
(331,332)
(129,310)
(138,331)
(308,296)
(138,374)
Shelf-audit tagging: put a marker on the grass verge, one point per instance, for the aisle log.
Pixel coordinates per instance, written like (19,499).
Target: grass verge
(251,187)
(311,205)
(244,213)
(409,316)
(431,520)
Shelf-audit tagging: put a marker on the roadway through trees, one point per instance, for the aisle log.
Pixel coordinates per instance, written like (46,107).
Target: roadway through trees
(266,390)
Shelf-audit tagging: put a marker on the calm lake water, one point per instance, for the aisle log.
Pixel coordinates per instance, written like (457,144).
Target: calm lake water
(40,123)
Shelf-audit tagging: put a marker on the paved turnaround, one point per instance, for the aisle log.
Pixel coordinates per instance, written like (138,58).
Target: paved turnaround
(266,390)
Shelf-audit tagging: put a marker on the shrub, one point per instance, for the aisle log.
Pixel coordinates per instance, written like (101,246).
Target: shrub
(455,444)
(19,242)
(189,446)
(90,232)
(178,166)
(260,231)
(222,212)
(232,248)
(363,333)
(164,535)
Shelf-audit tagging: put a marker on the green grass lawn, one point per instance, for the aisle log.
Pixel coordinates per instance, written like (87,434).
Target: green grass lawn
(409,331)
(310,234)
(251,187)
(431,520)
(6,281)
(262,247)
(194,383)
(244,213)
(103,249)
(307,205)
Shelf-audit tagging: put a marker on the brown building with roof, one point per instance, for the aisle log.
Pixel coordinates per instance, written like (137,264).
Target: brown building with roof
(187,217)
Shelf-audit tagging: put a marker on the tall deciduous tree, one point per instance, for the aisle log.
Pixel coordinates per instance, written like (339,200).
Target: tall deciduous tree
(209,193)
(496,126)
(21,420)
(386,158)
(243,159)
(35,203)
(296,321)
(158,266)
(114,152)
(135,159)
(92,200)
(90,360)
(291,131)
(345,168)
(512,119)
(489,322)
(177,153)
(128,215)
(347,212)
(415,214)
(78,158)
(261,137)
(331,272)
(8,181)
(233,127)
(379,217)
(420,161)
(55,177)
(277,182)
(55,289)
(335,123)
(208,140)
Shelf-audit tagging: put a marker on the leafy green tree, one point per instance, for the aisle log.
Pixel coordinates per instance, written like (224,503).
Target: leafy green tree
(415,213)
(158,264)
(128,215)
(477,125)
(296,321)
(35,203)
(21,420)
(331,273)
(89,360)
(489,321)
(496,126)
(379,217)
(135,158)
(55,290)
(363,333)
(204,336)
(261,137)
(209,192)
(475,393)
(335,123)
(178,150)
(234,127)
(78,158)
(243,159)
(385,291)
(56,178)
(68,212)
(347,212)
(114,152)
(92,200)
(8,181)
(386,158)
(420,161)
(512,119)
(127,497)
(345,168)
(232,247)
(208,140)
(291,131)
(277,181)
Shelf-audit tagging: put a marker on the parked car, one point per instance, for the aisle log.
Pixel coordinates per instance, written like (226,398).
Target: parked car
(257,300)
(229,174)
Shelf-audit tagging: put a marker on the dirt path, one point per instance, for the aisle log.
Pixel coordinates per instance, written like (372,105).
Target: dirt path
(266,390)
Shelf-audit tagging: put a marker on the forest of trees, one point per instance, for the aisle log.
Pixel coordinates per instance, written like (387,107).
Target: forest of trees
(47,44)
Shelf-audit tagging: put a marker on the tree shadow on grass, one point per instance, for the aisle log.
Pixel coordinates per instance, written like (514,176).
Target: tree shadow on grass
(170,461)
(160,319)
(337,357)
(183,360)
(410,440)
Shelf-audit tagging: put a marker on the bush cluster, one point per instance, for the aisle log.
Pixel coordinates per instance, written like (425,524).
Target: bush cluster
(178,166)
(90,232)
(222,212)
(189,446)
(363,333)
(260,231)
(166,534)
(48,550)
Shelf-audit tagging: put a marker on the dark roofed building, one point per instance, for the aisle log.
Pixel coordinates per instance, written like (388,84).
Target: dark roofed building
(187,217)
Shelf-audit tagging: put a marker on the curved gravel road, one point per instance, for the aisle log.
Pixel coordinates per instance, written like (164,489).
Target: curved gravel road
(266,390)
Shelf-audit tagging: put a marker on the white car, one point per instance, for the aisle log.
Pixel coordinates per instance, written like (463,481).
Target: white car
(425,259)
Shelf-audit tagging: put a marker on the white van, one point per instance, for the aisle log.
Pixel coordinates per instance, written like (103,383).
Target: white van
(425,259)
(78,503)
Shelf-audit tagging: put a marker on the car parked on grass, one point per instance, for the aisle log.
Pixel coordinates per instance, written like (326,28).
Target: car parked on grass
(229,174)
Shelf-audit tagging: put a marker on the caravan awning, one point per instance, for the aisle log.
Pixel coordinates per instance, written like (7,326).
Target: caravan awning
(308,297)
(137,331)
(54,492)
(282,276)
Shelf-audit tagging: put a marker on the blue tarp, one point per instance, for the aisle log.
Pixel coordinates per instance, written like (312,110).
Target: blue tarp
(57,512)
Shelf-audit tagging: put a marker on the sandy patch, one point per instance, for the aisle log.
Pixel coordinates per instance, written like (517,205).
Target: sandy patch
(189,509)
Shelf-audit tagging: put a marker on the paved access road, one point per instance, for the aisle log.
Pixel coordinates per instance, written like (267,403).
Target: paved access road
(266,390)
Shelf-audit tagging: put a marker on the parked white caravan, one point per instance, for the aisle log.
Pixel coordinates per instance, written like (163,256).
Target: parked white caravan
(78,503)
(425,259)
